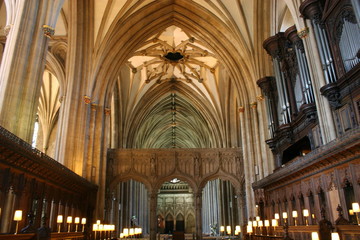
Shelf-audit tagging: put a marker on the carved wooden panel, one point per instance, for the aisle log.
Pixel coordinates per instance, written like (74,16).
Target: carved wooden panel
(159,164)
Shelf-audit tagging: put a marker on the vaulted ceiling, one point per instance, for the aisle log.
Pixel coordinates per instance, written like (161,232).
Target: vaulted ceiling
(173,72)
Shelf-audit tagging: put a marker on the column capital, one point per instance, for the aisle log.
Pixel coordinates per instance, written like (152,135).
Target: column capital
(48,31)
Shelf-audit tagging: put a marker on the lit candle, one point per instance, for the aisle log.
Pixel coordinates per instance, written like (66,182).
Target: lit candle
(284,214)
(277,216)
(121,235)
(131,232)
(17,218)
(126,232)
(95,227)
(267,223)
(98,222)
(77,220)
(18,215)
(59,219)
(250,223)
(355,207)
(228,230)
(69,219)
(351,212)
(260,223)
(249,229)
(254,223)
(257,218)
(238,228)
(83,221)
(314,236)
(274,222)
(335,236)
(294,214)
(222,228)
(305,212)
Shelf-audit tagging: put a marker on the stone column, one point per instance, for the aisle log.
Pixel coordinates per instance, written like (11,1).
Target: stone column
(153,219)
(198,215)
(30,24)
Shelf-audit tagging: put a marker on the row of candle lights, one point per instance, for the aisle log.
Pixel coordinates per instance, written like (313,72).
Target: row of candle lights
(103,229)
(131,232)
(228,230)
(69,220)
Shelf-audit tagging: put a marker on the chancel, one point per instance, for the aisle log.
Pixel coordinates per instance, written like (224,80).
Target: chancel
(180,119)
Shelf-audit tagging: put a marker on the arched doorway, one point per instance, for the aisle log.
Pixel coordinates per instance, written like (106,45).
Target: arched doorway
(175,200)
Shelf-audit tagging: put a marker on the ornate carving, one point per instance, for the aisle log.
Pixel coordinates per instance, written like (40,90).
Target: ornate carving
(7,29)
(346,15)
(48,31)
(332,93)
(107,111)
(303,33)
(87,99)
(253,105)
(341,220)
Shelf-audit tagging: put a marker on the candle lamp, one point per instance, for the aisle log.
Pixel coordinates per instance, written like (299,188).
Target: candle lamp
(59,221)
(356,210)
(77,221)
(285,216)
(228,230)
(254,224)
(83,222)
(277,216)
(306,215)
(267,225)
(274,223)
(294,215)
(95,229)
(126,232)
(237,229)
(335,236)
(257,218)
(249,229)
(17,219)
(314,236)
(260,224)
(69,221)
(222,230)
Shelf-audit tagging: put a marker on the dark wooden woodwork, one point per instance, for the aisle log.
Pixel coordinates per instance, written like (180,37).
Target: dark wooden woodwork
(36,181)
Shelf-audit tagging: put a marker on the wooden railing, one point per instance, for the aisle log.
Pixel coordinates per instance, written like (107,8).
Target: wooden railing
(346,232)
(53,236)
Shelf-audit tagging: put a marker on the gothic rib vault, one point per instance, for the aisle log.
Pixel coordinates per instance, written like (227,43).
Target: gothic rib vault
(121,87)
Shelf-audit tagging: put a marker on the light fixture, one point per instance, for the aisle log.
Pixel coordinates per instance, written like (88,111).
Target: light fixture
(59,221)
(274,223)
(83,222)
(77,221)
(267,225)
(277,216)
(69,221)
(314,236)
(335,236)
(306,215)
(295,215)
(228,230)
(356,210)
(17,219)
(249,229)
